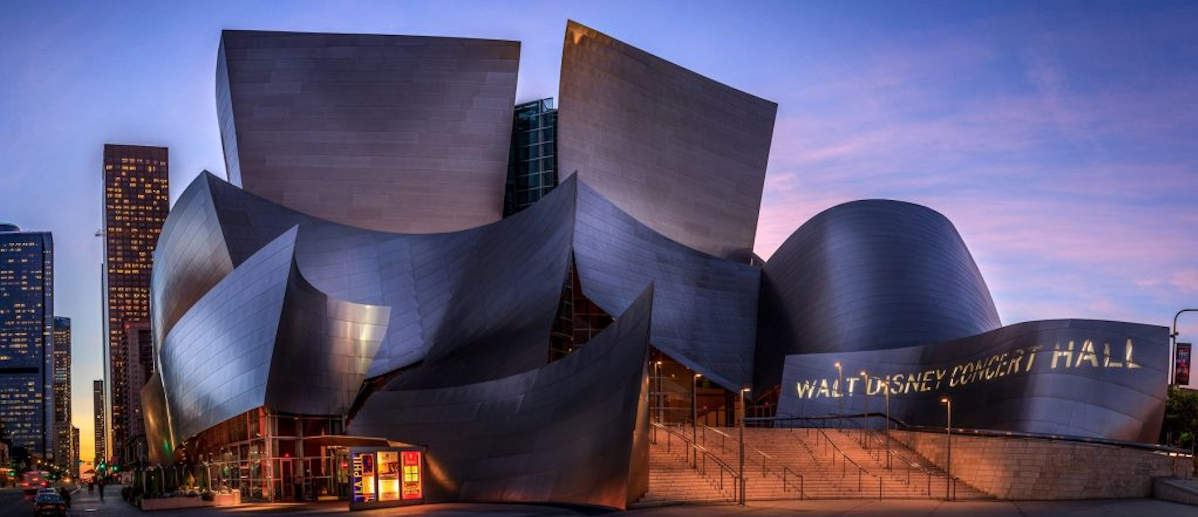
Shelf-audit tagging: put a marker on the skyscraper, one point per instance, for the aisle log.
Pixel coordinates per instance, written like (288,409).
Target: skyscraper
(101,421)
(532,162)
(139,350)
(62,391)
(26,341)
(136,201)
(74,468)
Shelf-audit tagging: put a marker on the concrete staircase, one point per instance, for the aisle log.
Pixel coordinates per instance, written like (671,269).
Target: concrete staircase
(816,466)
(672,479)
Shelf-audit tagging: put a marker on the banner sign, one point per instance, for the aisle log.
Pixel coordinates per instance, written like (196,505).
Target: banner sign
(1181,364)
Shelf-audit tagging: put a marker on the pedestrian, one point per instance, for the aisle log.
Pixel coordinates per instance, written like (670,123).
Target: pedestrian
(101,487)
(65,493)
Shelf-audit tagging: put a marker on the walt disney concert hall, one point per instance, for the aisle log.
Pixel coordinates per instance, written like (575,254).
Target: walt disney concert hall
(408,290)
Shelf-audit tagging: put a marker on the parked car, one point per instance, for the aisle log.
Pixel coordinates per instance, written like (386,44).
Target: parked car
(49,504)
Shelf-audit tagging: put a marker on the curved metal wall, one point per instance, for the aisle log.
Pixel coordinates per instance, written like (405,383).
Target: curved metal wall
(1088,378)
(431,283)
(234,325)
(563,433)
(869,275)
(279,342)
(394,133)
(704,308)
(680,152)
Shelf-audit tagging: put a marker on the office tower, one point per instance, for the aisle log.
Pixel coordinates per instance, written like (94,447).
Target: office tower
(74,468)
(62,391)
(532,162)
(101,421)
(136,201)
(26,340)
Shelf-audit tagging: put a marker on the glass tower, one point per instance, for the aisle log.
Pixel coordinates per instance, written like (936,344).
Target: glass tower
(62,392)
(136,201)
(101,421)
(532,163)
(26,338)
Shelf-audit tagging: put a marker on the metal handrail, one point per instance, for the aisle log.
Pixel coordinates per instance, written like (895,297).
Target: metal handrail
(845,458)
(902,425)
(783,471)
(705,454)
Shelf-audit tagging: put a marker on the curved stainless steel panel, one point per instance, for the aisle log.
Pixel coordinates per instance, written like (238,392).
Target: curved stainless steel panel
(160,442)
(681,153)
(432,283)
(234,325)
(323,350)
(393,133)
(1100,379)
(190,258)
(563,433)
(704,308)
(869,275)
(280,343)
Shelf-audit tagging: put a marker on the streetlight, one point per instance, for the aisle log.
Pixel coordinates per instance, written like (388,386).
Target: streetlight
(1173,346)
(865,408)
(742,444)
(695,415)
(839,390)
(948,430)
(658,398)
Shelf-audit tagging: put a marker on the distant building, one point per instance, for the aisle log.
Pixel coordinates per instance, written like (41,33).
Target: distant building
(26,341)
(62,391)
(139,351)
(98,404)
(136,201)
(74,468)
(532,162)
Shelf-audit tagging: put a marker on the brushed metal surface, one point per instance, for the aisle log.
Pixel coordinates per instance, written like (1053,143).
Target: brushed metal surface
(869,275)
(681,153)
(395,133)
(280,343)
(1100,398)
(704,308)
(561,433)
(434,283)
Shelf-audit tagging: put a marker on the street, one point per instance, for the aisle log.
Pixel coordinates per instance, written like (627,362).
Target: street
(84,504)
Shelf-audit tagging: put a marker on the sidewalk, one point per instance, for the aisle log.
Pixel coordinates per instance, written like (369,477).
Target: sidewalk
(83,503)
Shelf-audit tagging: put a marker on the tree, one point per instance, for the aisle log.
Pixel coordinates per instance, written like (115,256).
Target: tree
(1181,418)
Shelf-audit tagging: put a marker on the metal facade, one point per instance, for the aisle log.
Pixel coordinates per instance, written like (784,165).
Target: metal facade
(681,153)
(869,275)
(395,133)
(1098,379)
(561,433)
(704,308)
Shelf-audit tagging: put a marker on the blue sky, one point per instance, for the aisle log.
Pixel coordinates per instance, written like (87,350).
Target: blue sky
(1059,137)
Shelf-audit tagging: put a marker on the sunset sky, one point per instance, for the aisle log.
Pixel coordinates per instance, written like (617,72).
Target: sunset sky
(1059,138)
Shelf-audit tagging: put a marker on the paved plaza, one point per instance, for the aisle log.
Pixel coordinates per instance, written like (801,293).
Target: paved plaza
(89,505)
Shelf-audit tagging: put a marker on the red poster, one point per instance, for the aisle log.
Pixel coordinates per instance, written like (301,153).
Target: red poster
(411,475)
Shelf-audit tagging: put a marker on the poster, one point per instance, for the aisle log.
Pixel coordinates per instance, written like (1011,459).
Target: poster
(1181,366)
(388,474)
(363,474)
(411,475)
